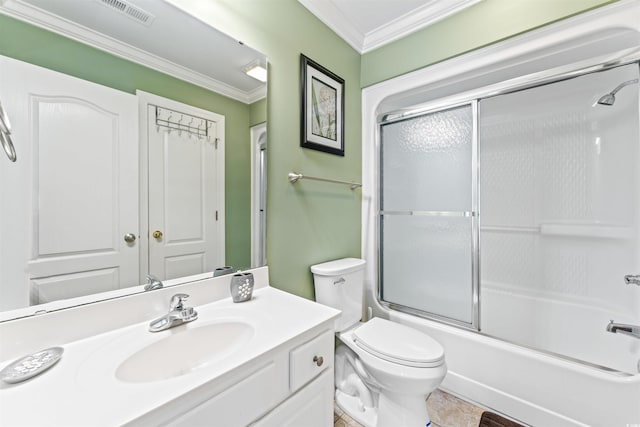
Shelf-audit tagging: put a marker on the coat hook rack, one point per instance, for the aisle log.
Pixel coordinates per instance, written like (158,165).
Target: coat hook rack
(295,177)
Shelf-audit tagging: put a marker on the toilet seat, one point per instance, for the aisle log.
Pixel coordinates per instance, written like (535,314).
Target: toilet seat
(398,343)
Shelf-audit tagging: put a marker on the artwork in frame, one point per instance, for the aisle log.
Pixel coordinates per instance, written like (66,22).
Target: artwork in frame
(322,110)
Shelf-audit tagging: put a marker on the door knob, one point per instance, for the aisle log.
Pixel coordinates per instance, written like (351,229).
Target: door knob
(157,234)
(129,237)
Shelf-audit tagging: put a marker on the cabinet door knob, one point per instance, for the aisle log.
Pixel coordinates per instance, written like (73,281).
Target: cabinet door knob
(157,234)
(318,360)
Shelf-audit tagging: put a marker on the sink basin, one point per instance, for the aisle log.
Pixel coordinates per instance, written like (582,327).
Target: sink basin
(184,351)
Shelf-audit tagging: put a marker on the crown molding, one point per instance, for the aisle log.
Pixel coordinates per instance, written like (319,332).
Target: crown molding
(333,18)
(256,94)
(32,15)
(417,19)
(402,26)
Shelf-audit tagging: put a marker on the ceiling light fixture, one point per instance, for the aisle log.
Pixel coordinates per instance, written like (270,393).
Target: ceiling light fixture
(256,69)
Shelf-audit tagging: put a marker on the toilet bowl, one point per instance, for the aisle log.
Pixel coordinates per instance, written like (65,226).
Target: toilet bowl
(384,370)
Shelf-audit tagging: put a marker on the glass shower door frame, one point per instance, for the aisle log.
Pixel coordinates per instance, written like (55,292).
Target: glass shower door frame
(473,215)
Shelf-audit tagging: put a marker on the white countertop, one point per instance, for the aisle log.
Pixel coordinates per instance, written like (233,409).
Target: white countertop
(82,389)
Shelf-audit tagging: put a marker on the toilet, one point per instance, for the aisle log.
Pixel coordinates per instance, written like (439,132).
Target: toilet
(384,371)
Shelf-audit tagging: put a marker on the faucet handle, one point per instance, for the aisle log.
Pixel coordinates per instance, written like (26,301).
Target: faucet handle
(188,314)
(176,302)
(152,283)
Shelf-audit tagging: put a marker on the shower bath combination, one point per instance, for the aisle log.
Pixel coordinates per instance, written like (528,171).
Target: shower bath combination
(557,224)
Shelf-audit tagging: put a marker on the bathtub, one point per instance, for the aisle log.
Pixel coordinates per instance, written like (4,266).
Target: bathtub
(529,385)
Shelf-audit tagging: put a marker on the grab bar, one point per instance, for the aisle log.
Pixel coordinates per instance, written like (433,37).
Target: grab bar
(5,138)
(295,177)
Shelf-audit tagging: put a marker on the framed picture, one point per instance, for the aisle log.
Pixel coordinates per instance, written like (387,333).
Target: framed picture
(322,111)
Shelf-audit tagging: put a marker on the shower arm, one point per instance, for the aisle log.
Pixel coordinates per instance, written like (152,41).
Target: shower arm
(623,84)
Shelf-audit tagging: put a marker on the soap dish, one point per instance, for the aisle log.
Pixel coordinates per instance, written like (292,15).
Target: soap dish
(29,366)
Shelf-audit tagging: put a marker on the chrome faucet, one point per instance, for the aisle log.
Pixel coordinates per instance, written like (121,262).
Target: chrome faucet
(152,283)
(620,328)
(178,314)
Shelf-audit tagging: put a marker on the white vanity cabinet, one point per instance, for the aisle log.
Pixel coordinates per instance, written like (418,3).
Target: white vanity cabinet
(292,385)
(311,382)
(312,406)
(278,371)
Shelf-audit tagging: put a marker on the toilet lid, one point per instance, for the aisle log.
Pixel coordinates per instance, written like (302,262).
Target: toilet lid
(399,344)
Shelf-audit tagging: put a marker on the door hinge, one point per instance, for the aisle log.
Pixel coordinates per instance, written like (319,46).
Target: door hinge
(216,142)
(216,215)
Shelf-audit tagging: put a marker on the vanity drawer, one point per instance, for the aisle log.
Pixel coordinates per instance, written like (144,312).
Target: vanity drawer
(309,359)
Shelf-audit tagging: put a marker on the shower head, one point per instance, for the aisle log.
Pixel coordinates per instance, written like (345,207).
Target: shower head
(607,99)
(610,98)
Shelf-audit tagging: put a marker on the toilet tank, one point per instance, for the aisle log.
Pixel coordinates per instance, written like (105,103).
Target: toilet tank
(339,284)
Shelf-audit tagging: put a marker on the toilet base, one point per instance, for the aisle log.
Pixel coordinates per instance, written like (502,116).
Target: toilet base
(352,406)
(402,411)
(410,412)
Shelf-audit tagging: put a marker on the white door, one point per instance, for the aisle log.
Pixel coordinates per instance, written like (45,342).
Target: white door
(72,196)
(186,190)
(259,195)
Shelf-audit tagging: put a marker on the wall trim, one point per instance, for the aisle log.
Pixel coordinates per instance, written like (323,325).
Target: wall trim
(421,17)
(32,15)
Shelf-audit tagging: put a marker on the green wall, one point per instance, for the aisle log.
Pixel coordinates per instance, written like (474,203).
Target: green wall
(483,24)
(258,112)
(309,222)
(312,222)
(34,45)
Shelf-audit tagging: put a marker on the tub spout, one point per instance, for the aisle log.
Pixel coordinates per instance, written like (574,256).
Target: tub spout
(620,328)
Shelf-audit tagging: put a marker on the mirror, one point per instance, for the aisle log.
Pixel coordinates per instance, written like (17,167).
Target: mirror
(139,48)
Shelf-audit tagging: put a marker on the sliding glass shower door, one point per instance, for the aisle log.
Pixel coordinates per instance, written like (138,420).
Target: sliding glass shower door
(560,216)
(428,213)
(541,183)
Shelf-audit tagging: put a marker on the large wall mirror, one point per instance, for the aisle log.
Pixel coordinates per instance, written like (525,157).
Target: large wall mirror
(194,94)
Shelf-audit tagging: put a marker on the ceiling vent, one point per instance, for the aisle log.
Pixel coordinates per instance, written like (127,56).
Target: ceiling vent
(129,10)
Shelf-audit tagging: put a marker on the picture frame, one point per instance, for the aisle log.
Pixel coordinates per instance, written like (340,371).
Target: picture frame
(322,108)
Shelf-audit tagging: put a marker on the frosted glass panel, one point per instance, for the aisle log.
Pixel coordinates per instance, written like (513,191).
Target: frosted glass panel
(426,162)
(427,264)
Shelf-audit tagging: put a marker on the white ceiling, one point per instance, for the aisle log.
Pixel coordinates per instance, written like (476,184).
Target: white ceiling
(170,41)
(369,24)
(180,45)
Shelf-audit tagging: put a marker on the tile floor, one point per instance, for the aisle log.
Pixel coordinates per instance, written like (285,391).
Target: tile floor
(445,411)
